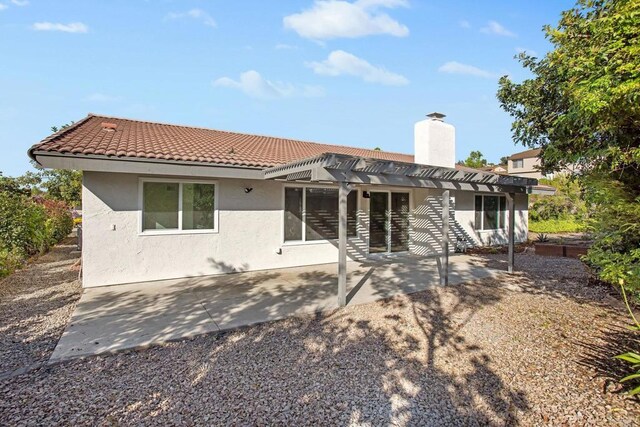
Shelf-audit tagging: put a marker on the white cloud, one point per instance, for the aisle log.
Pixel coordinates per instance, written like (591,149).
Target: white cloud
(20,2)
(527,51)
(340,62)
(496,28)
(453,67)
(197,14)
(329,19)
(102,97)
(251,83)
(73,27)
(3,6)
(463,23)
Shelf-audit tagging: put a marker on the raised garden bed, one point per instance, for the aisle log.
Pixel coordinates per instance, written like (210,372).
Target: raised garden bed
(554,249)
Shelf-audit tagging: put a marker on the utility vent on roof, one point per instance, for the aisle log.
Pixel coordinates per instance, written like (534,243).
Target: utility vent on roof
(109,127)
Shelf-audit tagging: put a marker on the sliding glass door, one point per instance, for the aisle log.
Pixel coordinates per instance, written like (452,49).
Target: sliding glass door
(388,222)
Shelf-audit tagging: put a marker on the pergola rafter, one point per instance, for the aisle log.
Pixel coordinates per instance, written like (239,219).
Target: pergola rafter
(346,170)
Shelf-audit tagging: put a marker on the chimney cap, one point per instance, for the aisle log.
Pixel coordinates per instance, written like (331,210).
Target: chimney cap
(436,116)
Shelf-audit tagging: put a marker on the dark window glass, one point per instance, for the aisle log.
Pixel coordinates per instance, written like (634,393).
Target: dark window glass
(503,209)
(292,214)
(478,212)
(160,205)
(491,205)
(352,214)
(399,222)
(197,206)
(321,213)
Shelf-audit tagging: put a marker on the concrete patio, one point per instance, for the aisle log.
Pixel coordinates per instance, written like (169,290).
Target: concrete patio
(110,319)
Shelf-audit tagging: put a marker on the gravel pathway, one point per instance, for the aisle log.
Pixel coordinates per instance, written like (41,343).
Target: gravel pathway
(35,305)
(533,349)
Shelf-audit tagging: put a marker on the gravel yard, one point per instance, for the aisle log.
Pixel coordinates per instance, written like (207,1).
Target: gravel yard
(35,305)
(533,349)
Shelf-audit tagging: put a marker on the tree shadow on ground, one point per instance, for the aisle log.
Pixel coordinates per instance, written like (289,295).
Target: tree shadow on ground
(401,361)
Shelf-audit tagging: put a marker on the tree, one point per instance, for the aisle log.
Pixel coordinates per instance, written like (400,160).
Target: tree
(582,107)
(475,160)
(504,160)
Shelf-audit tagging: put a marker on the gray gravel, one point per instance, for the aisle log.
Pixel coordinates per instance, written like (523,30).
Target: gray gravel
(35,306)
(533,349)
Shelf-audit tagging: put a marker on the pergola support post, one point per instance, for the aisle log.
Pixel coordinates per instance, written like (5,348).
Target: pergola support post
(343,192)
(444,276)
(511,229)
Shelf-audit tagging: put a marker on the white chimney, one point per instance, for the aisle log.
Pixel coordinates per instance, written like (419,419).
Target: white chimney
(435,142)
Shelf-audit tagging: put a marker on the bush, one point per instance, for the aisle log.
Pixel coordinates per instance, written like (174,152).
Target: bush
(567,203)
(59,221)
(556,226)
(29,226)
(22,225)
(615,255)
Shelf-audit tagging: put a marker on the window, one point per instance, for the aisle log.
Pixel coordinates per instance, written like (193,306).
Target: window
(518,164)
(311,214)
(178,206)
(490,212)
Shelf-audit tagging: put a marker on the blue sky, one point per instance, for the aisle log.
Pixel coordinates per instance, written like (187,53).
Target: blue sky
(345,72)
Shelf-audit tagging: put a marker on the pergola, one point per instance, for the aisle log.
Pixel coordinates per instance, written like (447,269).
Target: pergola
(348,171)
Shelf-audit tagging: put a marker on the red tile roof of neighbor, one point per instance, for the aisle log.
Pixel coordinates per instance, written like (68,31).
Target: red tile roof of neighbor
(526,154)
(125,138)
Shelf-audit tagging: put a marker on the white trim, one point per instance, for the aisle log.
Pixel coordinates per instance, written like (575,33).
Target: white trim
(179,230)
(147,166)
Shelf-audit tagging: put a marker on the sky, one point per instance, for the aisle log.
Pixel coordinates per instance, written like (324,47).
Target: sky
(357,72)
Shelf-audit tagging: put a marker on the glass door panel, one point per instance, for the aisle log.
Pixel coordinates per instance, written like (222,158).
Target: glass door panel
(399,222)
(378,222)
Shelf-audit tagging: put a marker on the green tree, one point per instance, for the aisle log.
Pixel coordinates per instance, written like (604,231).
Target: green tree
(475,160)
(504,160)
(582,107)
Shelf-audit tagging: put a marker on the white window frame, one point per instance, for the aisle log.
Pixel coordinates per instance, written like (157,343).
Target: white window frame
(518,163)
(178,230)
(506,214)
(304,240)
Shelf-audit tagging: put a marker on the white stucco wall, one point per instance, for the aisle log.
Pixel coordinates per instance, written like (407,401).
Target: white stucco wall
(426,222)
(249,236)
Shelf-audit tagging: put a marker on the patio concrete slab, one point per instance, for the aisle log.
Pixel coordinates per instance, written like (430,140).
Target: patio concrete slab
(115,318)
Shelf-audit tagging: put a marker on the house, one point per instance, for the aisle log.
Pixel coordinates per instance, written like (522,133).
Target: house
(163,201)
(527,164)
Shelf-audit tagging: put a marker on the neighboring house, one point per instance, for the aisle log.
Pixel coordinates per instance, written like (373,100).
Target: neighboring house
(164,201)
(527,164)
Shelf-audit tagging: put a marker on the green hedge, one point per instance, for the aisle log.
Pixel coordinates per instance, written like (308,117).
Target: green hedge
(29,226)
(556,226)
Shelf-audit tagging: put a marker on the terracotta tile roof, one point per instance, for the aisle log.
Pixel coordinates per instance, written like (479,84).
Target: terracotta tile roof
(122,138)
(526,154)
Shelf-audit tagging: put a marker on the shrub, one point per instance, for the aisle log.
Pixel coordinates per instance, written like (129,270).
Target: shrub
(22,225)
(556,226)
(567,203)
(59,221)
(29,226)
